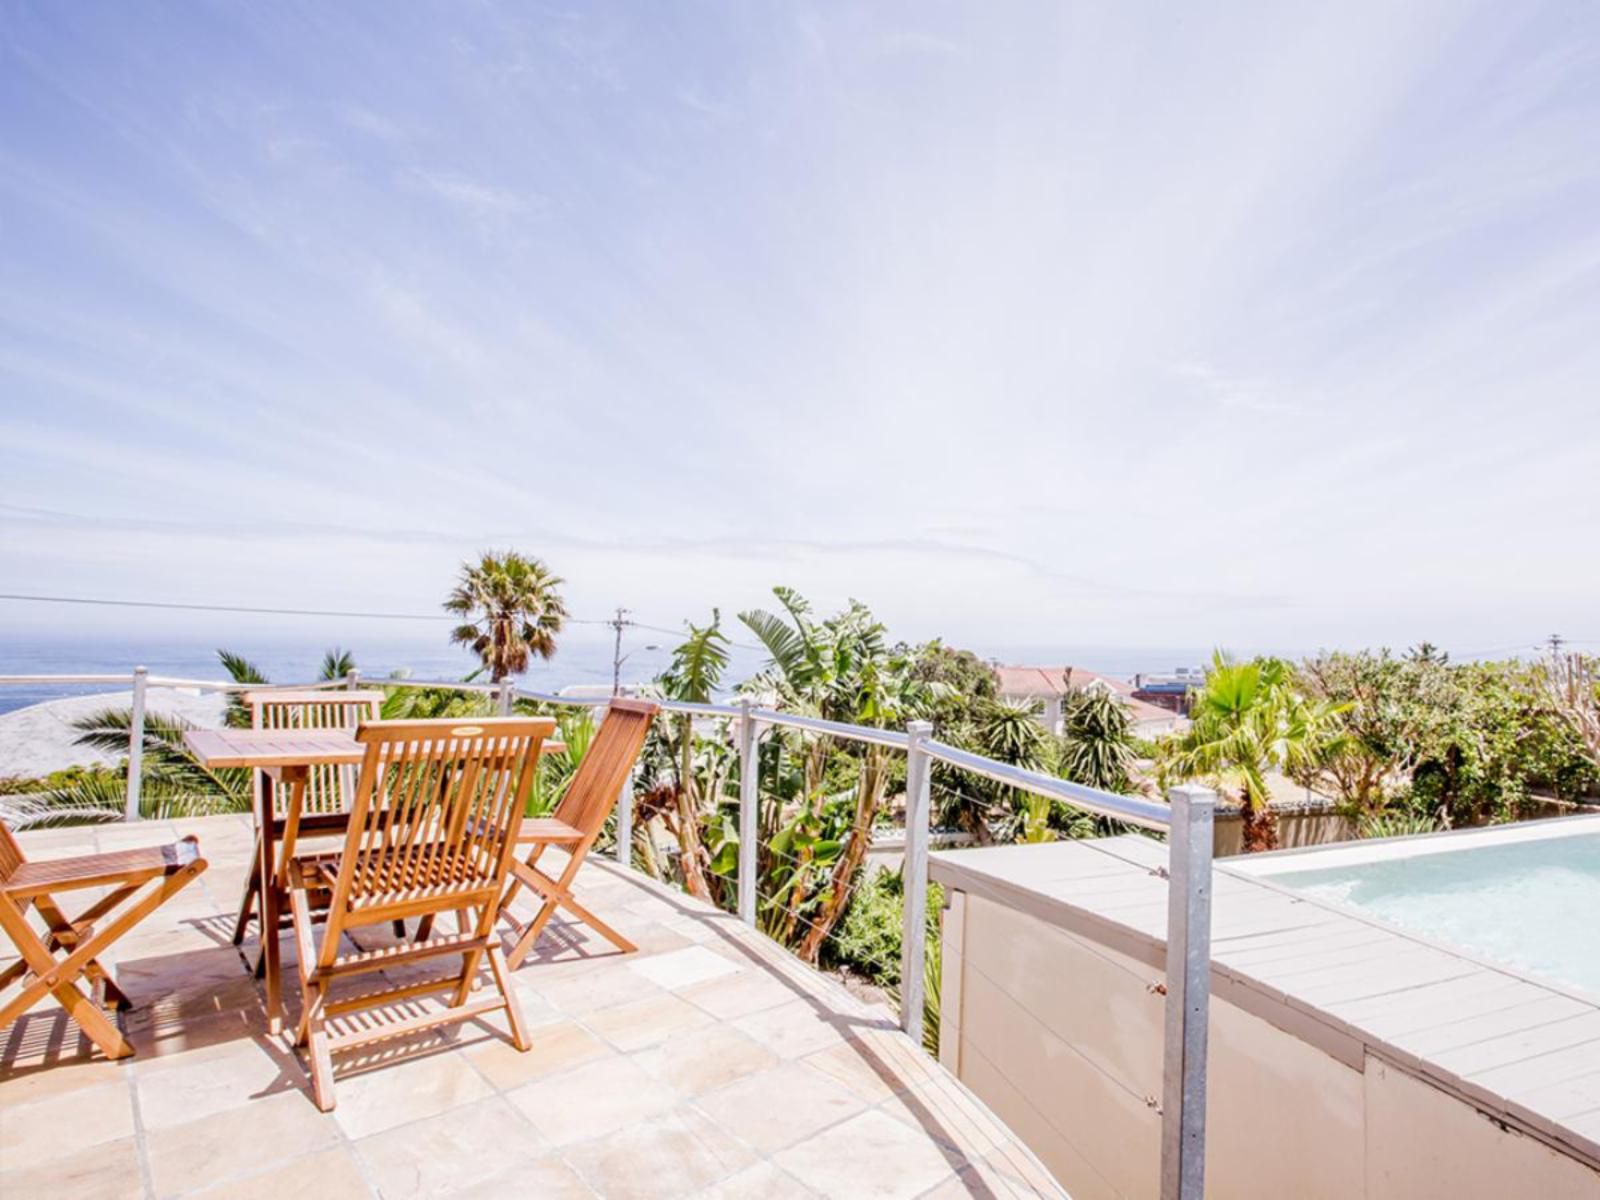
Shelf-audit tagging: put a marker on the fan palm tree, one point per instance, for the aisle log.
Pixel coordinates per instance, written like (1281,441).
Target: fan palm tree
(511,611)
(1247,720)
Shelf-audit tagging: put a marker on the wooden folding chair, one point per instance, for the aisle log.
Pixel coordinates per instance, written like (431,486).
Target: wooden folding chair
(126,873)
(576,822)
(328,789)
(433,828)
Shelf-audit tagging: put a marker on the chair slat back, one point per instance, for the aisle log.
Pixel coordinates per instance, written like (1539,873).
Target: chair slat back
(328,788)
(10,854)
(604,769)
(438,806)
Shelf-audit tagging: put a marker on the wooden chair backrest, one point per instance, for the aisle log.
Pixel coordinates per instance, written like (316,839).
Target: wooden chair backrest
(438,806)
(11,856)
(328,789)
(604,769)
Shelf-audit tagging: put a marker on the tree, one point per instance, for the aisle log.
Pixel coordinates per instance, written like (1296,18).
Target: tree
(693,675)
(1096,740)
(1395,712)
(511,611)
(1248,719)
(1573,685)
(838,669)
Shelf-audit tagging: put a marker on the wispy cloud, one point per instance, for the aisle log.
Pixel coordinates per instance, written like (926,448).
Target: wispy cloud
(1026,324)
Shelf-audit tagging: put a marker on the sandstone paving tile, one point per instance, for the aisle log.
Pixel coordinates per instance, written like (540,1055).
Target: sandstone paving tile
(592,1100)
(107,1171)
(675,1154)
(869,1157)
(773,1109)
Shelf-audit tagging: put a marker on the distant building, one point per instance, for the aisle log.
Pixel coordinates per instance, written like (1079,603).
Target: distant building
(1048,686)
(1170,691)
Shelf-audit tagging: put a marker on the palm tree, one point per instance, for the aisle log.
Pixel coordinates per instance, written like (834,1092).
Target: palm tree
(511,611)
(1246,720)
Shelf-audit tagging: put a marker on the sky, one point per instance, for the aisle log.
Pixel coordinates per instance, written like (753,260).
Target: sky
(1268,326)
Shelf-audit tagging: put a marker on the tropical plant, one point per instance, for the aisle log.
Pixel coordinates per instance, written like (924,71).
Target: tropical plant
(1395,824)
(870,937)
(511,610)
(172,782)
(838,669)
(693,675)
(1573,684)
(1247,720)
(1096,740)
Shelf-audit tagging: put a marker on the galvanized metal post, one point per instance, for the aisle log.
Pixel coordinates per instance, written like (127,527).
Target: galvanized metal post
(136,743)
(914,881)
(749,813)
(625,824)
(1183,1101)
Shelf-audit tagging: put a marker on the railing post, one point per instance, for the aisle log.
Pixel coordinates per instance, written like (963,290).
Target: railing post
(914,880)
(352,680)
(505,699)
(749,813)
(136,743)
(625,824)
(624,810)
(1183,1101)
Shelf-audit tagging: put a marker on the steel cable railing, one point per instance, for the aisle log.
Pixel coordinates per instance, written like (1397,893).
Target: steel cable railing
(1187,820)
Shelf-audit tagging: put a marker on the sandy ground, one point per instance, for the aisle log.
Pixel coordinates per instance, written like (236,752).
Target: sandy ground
(40,738)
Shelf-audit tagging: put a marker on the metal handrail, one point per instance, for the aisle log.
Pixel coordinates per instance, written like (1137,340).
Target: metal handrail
(1147,814)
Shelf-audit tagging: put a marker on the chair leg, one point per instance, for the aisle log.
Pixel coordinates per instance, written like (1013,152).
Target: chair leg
(67,934)
(313,1031)
(596,924)
(92,1020)
(514,1017)
(469,960)
(59,977)
(252,889)
(530,934)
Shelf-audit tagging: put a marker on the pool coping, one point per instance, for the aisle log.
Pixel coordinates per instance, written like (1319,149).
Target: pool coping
(1014,881)
(1416,845)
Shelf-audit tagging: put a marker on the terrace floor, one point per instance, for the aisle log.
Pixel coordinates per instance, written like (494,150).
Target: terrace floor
(709,1064)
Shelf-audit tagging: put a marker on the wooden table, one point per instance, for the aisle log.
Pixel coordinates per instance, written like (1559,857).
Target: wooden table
(285,758)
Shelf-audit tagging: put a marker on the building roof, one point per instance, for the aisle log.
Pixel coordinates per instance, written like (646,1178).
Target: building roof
(1044,683)
(1050,683)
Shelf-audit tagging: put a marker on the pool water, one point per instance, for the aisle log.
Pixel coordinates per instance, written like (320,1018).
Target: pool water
(1534,905)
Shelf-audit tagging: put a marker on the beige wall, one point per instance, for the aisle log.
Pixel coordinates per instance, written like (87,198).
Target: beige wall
(1062,1037)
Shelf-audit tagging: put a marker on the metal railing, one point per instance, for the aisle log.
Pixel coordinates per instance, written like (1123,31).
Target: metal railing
(1187,819)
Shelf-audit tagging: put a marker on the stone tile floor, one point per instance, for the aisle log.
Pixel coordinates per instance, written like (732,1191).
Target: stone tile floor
(709,1064)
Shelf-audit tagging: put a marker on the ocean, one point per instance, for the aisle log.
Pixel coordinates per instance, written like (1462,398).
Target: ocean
(585,659)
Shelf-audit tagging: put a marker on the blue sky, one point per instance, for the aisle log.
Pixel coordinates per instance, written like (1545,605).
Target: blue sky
(1271,326)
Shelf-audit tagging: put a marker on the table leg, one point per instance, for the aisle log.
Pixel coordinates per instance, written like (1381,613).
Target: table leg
(271,958)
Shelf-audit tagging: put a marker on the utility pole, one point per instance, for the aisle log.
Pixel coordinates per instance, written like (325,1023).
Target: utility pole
(618,623)
(1555,644)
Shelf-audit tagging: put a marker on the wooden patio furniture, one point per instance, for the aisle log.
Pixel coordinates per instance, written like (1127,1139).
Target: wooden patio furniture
(158,872)
(576,822)
(432,828)
(328,789)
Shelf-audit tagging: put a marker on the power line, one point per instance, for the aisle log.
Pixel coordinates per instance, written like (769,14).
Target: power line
(105,602)
(232,608)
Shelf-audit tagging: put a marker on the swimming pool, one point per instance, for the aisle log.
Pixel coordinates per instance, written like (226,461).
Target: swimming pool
(1527,896)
